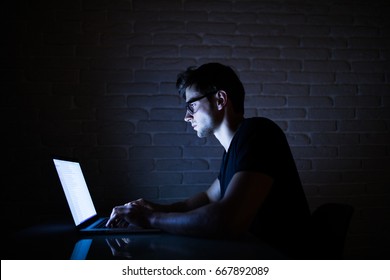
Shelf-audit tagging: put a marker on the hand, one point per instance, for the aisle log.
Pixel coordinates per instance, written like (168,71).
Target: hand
(120,247)
(132,213)
(147,204)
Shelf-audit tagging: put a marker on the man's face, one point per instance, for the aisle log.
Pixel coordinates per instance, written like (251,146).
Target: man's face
(201,117)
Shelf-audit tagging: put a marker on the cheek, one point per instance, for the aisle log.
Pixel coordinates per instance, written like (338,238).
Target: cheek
(205,121)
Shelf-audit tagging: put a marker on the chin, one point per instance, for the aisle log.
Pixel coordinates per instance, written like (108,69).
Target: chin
(203,134)
(199,134)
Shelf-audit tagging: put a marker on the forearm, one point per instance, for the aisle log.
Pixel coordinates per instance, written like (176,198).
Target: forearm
(202,222)
(192,203)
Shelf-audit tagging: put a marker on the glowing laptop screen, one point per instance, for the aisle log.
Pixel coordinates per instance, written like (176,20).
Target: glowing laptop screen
(76,190)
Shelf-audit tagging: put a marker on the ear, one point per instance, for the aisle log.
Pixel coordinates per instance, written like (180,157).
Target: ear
(222,99)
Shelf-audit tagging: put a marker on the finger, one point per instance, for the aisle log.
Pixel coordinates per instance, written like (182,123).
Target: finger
(114,211)
(113,220)
(119,216)
(123,224)
(110,222)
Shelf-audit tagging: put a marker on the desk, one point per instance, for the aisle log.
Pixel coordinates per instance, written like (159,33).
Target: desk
(61,241)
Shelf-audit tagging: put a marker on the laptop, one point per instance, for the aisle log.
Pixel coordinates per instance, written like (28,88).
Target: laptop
(80,201)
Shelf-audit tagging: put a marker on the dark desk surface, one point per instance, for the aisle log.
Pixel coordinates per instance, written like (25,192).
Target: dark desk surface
(61,241)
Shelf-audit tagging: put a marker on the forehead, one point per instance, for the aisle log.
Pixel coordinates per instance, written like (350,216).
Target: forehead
(191,93)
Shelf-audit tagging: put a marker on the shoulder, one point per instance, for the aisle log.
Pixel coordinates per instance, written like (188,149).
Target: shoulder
(259,124)
(259,132)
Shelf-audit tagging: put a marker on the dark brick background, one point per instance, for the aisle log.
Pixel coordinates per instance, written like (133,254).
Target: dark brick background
(94,79)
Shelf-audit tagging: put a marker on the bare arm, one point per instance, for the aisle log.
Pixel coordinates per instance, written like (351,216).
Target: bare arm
(141,210)
(232,215)
(196,201)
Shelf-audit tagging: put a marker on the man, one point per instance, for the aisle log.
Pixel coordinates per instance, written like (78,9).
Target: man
(258,189)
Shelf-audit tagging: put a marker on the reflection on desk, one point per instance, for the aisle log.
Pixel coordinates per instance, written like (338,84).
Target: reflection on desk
(62,241)
(166,246)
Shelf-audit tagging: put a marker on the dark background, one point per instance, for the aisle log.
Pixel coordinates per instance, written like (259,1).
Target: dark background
(94,79)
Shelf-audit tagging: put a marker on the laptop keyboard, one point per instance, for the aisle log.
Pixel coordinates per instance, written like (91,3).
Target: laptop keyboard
(102,223)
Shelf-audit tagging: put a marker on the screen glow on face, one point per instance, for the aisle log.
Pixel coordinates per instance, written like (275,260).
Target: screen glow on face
(189,103)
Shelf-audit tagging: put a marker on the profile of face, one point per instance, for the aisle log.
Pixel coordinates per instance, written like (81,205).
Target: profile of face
(199,112)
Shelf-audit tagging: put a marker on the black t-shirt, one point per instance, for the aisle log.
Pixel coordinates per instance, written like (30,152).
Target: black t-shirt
(259,145)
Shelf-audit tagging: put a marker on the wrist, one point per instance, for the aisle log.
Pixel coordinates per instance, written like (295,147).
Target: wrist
(152,219)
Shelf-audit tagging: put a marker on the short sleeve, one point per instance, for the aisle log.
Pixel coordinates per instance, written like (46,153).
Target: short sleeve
(259,148)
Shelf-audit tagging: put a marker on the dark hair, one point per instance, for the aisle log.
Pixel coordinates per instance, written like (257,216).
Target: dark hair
(211,77)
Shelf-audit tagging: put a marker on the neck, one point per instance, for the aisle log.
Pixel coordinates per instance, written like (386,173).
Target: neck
(227,129)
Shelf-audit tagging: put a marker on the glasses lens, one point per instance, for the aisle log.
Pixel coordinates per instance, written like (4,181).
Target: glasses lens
(189,108)
(189,103)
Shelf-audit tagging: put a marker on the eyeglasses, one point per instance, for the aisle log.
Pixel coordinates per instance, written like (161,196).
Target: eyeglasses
(189,107)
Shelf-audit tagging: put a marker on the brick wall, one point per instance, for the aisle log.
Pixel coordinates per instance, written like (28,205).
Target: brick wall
(94,79)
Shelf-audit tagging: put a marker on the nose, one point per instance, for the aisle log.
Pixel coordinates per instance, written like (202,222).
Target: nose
(188,116)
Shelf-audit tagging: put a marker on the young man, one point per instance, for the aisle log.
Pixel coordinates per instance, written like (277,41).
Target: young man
(258,189)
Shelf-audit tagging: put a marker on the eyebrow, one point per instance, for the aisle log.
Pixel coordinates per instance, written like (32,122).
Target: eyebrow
(200,97)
